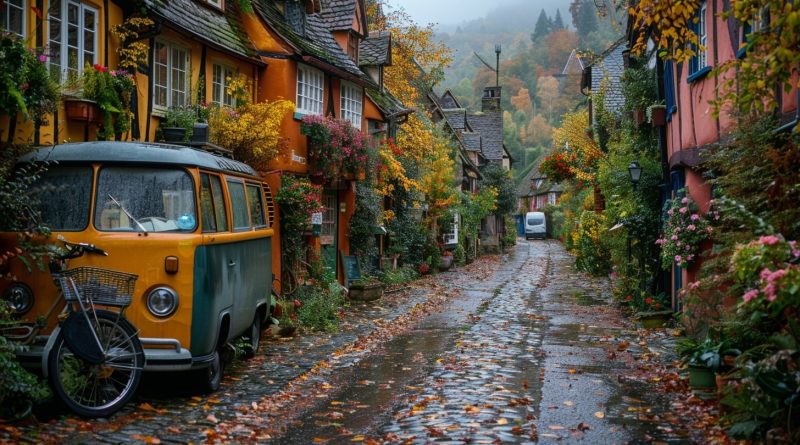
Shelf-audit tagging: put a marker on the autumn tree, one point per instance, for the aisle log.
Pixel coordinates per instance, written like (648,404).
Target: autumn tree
(539,131)
(572,136)
(547,94)
(522,101)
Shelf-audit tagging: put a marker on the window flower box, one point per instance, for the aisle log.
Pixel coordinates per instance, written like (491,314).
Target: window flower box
(82,110)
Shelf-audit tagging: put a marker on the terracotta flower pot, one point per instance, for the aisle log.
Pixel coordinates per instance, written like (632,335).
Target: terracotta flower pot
(639,117)
(658,116)
(82,110)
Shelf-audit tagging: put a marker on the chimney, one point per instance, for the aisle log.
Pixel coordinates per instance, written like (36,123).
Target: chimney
(491,99)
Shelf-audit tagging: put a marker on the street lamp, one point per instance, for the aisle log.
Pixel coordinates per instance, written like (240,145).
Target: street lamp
(497,50)
(635,170)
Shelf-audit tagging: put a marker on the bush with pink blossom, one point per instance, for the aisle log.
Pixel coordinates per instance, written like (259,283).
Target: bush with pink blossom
(767,269)
(684,230)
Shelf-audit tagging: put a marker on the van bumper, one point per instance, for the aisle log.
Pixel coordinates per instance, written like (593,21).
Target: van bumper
(165,354)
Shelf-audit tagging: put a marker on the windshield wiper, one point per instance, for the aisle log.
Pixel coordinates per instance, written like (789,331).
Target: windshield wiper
(127,213)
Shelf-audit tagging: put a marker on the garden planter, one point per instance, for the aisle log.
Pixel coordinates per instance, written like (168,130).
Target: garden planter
(654,320)
(173,134)
(658,116)
(702,377)
(365,292)
(445,263)
(200,133)
(639,117)
(389,263)
(82,110)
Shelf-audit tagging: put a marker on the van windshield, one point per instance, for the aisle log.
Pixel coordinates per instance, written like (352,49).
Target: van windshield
(62,195)
(535,221)
(144,199)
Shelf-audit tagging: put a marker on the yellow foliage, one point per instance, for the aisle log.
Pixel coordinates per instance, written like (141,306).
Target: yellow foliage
(669,23)
(438,182)
(252,131)
(572,133)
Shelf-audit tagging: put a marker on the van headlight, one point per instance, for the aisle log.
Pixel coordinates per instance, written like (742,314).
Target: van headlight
(162,301)
(19,297)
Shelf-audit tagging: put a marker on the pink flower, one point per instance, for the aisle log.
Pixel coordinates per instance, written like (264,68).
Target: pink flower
(775,276)
(771,292)
(670,212)
(750,295)
(683,210)
(685,200)
(765,273)
(678,259)
(795,250)
(691,227)
(690,258)
(709,229)
(688,247)
(695,216)
(674,237)
(42,58)
(769,240)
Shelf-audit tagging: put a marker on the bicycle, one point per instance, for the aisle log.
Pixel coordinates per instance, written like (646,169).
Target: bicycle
(93,359)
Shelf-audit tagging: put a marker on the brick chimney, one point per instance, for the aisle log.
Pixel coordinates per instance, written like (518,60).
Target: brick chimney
(491,99)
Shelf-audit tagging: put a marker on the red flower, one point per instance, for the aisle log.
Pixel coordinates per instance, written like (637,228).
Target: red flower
(629,298)
(648,300)
(297,303)
(658,305)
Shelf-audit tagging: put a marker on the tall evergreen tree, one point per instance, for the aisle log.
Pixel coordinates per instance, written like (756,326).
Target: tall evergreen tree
(584,17)
(543,27)
(558,22)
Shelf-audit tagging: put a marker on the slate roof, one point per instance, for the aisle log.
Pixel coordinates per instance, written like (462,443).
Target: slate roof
(490,126)
(525,187)
(388,104)
(472,141)
(376,50)
(448,100)
(318,41)
(338,14)
(223,30)
(456,117)
(609,64)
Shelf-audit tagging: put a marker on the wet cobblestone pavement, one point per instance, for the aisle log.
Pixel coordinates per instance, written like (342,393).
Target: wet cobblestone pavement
(517,350)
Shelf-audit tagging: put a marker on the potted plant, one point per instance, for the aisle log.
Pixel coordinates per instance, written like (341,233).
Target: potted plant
(703,360)
(284,314)
(446,261)
(112,91)
(365,289)
(178,124)
(335,147)
(652,310)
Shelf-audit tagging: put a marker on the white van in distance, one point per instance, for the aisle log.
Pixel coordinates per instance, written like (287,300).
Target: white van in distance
(535,225)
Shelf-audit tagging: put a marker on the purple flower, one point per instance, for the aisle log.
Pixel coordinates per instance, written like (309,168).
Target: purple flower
(674,237)
(683,210)
(688,247)
(678,259)
(695,216)
(685,200)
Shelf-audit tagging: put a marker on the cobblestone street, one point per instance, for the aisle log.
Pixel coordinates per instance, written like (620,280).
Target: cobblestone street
(528,351)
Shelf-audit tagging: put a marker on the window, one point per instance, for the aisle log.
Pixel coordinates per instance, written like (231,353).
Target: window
(256,203)
(220,77)
(12,16)
(699,62)
(758,23)
(48,197)
(212,204)
(144,199)
(170,75)
(351,103)
(309,90)
(352,46)
(241,220)
(72,31)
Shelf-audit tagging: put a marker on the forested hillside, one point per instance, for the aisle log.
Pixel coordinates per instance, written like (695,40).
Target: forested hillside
(536,43)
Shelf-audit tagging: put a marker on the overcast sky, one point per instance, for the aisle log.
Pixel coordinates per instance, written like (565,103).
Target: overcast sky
(447,12)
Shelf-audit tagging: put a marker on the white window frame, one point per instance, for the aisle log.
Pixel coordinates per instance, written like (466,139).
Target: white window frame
(171,70)
(352,103)
(22,7)
(310,90)
(63,59)
(702,55)
(219,86)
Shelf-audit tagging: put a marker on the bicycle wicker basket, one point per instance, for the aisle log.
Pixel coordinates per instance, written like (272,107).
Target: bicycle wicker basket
(100,286)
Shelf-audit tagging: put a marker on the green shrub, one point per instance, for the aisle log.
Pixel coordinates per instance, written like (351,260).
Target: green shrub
(19,389)
(399,276)
(320,310)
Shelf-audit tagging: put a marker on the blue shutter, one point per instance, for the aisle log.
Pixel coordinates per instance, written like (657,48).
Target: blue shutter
(669,89)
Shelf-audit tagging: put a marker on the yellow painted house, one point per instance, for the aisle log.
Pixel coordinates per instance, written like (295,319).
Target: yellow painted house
(305,51)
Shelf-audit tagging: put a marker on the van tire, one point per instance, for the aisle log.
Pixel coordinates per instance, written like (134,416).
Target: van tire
(253,338)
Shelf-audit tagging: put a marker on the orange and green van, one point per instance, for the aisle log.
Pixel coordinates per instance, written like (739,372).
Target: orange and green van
(194,226)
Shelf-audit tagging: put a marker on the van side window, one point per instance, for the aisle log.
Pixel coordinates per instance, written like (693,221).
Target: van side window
(212,204)
(256,206)
(241,220)
(270,205)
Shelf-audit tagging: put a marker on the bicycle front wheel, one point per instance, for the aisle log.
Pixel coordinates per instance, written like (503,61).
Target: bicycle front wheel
(98,390)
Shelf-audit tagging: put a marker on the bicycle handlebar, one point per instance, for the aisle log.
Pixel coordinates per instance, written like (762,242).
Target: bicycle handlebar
(75,250)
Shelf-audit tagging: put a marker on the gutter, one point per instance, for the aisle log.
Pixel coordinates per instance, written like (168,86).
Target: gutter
(325,66)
